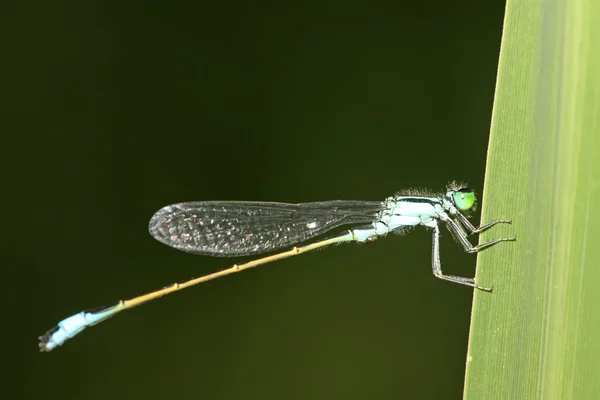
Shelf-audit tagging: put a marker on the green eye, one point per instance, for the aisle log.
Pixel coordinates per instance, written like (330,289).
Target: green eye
(464,199)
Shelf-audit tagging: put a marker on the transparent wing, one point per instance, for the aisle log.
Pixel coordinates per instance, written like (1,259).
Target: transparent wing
(237,228)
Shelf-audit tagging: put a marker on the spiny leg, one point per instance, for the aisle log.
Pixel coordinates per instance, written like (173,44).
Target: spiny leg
(460,237)
(437,265)
(472,229)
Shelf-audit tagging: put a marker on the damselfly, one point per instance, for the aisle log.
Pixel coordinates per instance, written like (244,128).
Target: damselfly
(241,228)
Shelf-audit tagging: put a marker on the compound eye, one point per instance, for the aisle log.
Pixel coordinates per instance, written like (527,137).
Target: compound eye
(464,199)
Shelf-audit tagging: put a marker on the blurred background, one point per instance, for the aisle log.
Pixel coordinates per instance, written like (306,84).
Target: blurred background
(115,110)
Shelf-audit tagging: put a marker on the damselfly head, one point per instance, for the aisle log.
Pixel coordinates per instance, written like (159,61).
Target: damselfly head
(463,198)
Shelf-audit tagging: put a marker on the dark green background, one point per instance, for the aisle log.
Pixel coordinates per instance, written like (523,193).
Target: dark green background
(114,111)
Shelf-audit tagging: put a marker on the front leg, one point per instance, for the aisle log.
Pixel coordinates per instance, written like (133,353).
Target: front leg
(469,226)
(459,235)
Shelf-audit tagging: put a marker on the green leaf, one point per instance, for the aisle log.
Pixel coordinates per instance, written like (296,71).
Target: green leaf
(537,335)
